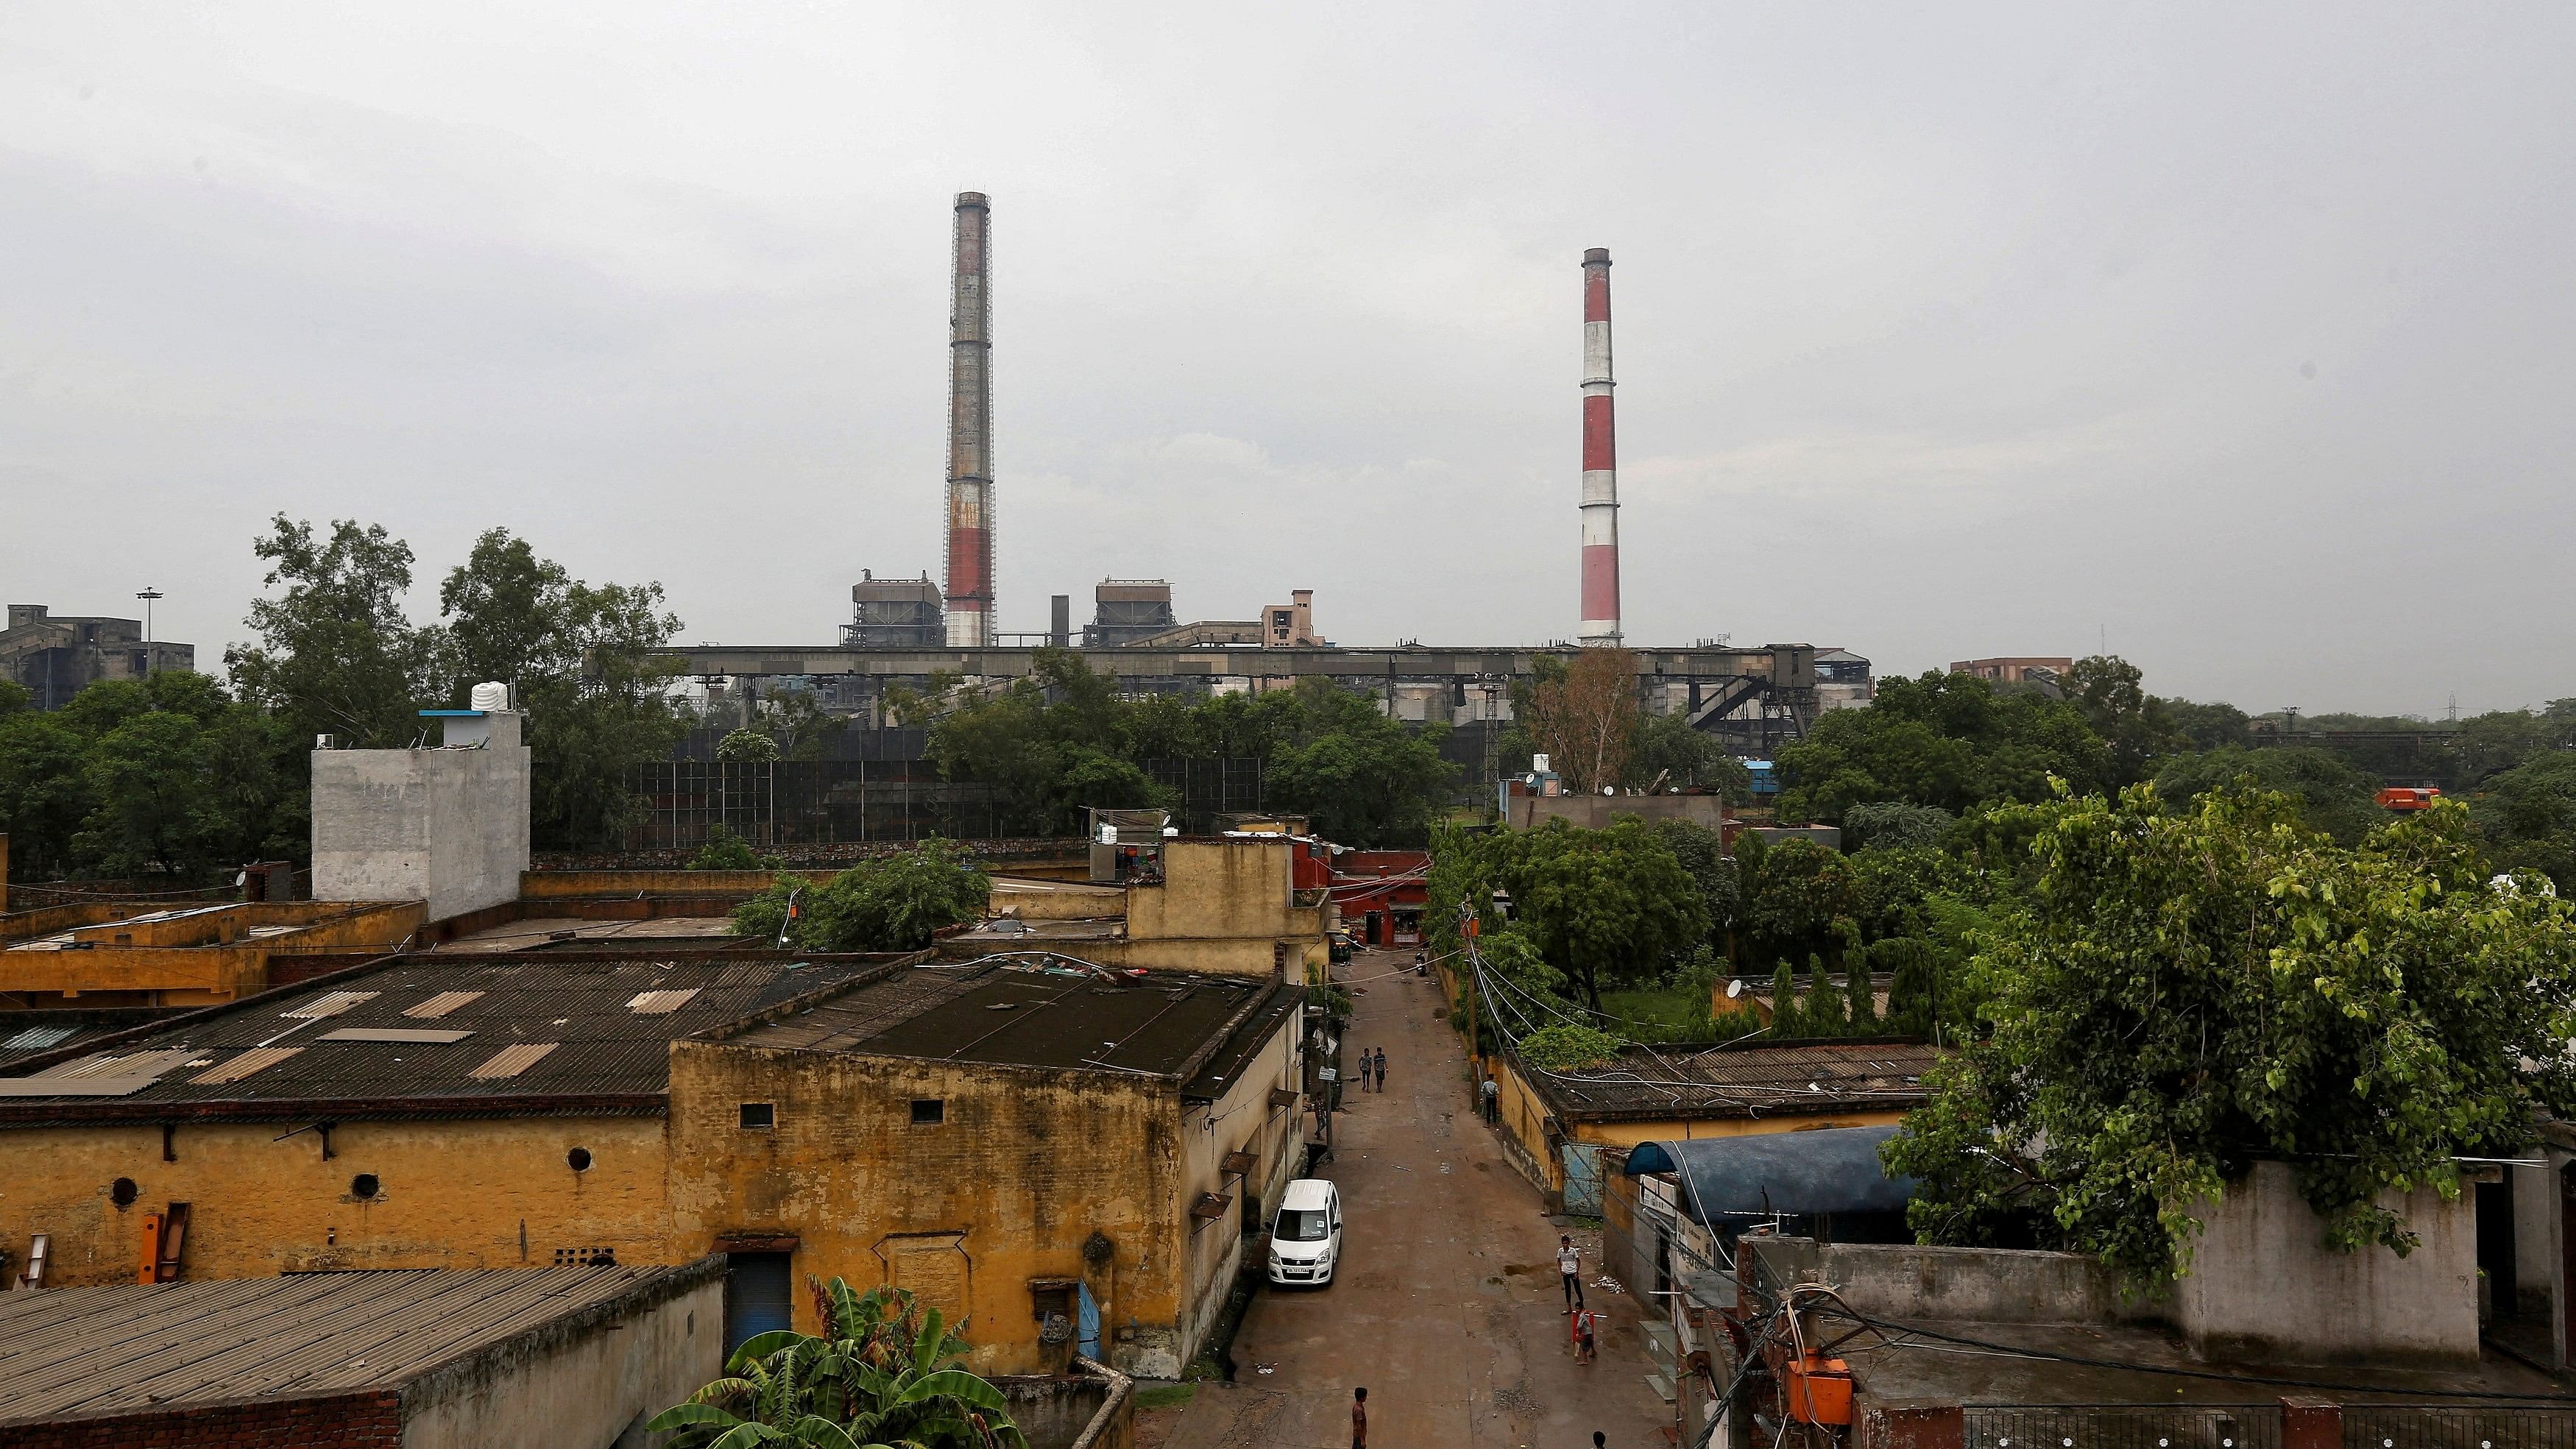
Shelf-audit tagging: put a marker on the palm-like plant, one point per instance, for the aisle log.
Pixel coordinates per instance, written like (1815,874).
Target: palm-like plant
(881,1378)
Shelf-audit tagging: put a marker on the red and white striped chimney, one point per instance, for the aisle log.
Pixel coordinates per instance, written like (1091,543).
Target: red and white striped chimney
(1600,461)
(970,428)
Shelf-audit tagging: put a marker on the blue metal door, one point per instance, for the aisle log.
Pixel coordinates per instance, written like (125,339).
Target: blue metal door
(1582,1179)
(758,1297)
(1086,1336)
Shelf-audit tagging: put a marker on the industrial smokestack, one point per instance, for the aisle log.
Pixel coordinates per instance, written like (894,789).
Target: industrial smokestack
(1600,461)
(970,427)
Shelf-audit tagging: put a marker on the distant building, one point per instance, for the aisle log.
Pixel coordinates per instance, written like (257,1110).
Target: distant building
(1126,610)
(2018,669)
(57,656)
(1843,680)
(895,614)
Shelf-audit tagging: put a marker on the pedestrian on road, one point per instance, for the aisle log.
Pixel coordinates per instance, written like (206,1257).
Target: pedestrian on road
(1359,1419)
(1569,1265)
(1599,1439)
(1585,1325)
(1364,1070)
(1490,1097)
(1381,1069)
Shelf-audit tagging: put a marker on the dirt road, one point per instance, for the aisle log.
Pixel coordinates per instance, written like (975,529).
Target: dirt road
(1447,1305)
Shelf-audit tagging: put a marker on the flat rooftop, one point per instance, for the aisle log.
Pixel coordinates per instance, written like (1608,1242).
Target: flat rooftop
(544,932)
(1018,1013)
(427,1036)
(81,1353)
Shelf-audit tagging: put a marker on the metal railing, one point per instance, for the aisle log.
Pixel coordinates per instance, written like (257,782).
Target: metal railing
(2459,1426)
(2122,1426)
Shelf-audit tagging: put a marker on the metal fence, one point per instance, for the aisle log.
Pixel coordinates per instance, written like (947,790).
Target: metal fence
(843,801)
(2258,1426)
(2458,1426)
(2123,1426)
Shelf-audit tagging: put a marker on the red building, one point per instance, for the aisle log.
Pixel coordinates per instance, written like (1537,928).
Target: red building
(1382,894)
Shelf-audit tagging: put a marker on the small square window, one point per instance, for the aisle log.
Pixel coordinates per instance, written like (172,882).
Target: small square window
(929,1111)
(760,1114)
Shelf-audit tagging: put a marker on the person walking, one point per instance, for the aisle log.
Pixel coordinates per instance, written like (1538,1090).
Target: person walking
(1585,1326)
(1364,1070)
(1569,1266)
(1359,1419)
(1381,1069)
(1490,1096)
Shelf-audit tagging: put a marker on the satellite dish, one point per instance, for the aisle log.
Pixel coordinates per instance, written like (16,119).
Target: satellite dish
(1735,988)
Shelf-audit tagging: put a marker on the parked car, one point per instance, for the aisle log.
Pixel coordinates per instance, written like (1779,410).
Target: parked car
(1306,1237)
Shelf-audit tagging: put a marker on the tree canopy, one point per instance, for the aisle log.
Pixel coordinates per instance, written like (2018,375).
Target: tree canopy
(2184,992)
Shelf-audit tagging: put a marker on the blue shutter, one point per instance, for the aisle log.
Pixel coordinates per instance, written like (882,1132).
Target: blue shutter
(758,1297)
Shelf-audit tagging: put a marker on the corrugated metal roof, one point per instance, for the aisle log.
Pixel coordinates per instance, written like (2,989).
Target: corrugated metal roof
(605,1050)
(1837,1077)
(1019,1015)
(329,1003)
(244,1065)
(78,1353)
(511,1060)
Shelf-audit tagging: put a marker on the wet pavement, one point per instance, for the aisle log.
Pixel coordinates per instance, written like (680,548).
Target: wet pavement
(1447,1305)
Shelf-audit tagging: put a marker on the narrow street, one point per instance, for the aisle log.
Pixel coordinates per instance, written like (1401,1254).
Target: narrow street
(1447,1305)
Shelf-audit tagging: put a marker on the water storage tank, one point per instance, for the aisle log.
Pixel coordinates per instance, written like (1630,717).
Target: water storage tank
(489,697)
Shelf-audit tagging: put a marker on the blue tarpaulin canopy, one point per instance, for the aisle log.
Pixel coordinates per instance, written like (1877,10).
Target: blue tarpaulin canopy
(1831,1170)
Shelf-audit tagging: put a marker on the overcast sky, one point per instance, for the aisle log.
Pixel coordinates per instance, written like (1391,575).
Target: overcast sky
(2241,337)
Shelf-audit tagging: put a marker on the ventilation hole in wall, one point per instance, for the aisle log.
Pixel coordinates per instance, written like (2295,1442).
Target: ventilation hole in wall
(364,1186)
(579,1157)
(760,1114)
(122,1192)
(929,1111)
(585,1257)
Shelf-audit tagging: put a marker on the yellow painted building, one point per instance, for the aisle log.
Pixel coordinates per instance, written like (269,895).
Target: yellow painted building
(1096,1135)
(1218,904)
(102,953)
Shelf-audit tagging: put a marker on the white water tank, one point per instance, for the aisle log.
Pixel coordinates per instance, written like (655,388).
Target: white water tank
(492,696)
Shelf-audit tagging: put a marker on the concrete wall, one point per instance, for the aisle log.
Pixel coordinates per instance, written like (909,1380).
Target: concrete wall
(454,1194)
(593,1378)
(2263,1284)
(1054,900)
(1242,1119)
(1027,1165)
(449,827)
(1221,888)
(203,957)
(1976,1285)
(369,1419)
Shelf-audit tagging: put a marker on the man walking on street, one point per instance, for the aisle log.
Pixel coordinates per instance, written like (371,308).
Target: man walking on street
(1364,1069)
(1359,1419)
(1381,1069)
(1569,1265)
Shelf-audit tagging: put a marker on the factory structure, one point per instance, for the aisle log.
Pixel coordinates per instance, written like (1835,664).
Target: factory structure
(905,630)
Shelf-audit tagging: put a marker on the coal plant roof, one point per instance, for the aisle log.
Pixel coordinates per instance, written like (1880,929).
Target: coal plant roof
(90,1353)
(425,1036)
(1018,1013)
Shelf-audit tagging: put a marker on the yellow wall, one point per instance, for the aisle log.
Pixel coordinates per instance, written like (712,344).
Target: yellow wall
(454,1195)
(1054,900)
(1525,1115)
(211,956)
(1242,1119)
(1026,1166)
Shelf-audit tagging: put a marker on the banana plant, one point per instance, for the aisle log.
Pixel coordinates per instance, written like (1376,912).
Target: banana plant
(881,1378)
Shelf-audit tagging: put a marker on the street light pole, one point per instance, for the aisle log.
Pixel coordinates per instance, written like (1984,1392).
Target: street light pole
(147,596)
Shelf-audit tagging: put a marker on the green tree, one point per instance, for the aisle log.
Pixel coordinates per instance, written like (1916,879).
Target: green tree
(1605,906)
(1861,993)
(724,850)
(44,792)
(1665,747)
(2333,795)
(2207,726)
(747,747)
(14,697)
(155,799)
(1950,740)
(1799,902)
(882,1375)
(890,904)
(1567,1047)
(2527,816)
(2187,993)
(1821,1011)
(1786,1019)
(589,667)
(335,653)
(1703,854)
(1894,825)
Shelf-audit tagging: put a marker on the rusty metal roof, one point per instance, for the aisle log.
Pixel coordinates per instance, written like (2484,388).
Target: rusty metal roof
(277,1056)
(86,1353)
(1163,1023)
(1826,1078)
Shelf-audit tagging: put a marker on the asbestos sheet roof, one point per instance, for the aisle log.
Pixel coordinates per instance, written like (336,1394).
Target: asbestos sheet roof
(25,1034)
(278,1056)
(1020,1014)
(82,1353)
(1829,1078)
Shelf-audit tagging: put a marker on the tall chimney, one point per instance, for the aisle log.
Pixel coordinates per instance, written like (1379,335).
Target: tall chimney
(970,427)
(1600,461)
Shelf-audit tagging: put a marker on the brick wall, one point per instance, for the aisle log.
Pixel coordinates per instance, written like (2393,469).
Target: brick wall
(347,1421)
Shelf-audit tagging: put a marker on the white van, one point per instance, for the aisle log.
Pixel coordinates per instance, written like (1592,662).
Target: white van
(1306,1237)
